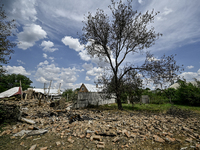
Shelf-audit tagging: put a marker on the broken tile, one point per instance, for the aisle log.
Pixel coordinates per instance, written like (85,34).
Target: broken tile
(58,143)
(158,139)
(95,137)
(33,147)
(168,138)
(70,140)
(43,148)
(188,140)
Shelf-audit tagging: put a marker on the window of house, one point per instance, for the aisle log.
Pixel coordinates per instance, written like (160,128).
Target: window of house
(82,88)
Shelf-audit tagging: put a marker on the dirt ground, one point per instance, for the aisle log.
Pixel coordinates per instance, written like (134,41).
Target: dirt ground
(91,129)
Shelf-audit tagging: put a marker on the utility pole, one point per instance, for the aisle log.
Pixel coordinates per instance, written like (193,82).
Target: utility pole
(49,89)
(44,88)
(21,89)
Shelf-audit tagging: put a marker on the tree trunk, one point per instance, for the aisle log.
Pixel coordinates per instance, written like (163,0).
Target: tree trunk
(119,103)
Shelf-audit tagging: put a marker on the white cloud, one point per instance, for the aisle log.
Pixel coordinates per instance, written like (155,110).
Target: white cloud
(21,10)
(73,43)
(47,72)
(87,78)
(96,71)
(51,58)
(48,46)
(45,55)
(87,66)
(16,70)
(153,59)
(176,30)
(189,76)
(43,63)
(190,67)
(140,1)
(20,62)
(167,11)
(84,56)
(30,34)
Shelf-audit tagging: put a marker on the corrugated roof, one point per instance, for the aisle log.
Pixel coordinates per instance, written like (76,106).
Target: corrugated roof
(92,88)
(11,92)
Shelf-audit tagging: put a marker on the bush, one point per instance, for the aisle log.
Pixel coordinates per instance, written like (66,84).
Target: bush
(188,94)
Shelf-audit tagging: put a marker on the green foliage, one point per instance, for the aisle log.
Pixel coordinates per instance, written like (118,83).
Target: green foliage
(188,94)
(156,97)
(70,95)
(6,28)
(8,81)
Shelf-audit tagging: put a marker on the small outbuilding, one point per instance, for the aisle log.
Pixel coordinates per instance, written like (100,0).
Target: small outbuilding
(92,95)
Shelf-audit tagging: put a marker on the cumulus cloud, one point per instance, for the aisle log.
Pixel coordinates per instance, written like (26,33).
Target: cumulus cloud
(47,72)
(43,63)
(73,43)
(189,76)
(87,78)
(87,66)
(45,55)
(30,34)
(190,67)
(16,70)
(48,46)
(96,71)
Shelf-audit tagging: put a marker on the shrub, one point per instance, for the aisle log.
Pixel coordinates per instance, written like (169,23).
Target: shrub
(188,94)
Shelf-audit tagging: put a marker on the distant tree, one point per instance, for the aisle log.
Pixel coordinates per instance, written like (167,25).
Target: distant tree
(6,44)
(127,32)
(8,81)
(70,95)
(188,93)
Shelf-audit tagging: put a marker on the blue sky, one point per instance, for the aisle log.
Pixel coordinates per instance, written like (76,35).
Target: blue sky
(49,49)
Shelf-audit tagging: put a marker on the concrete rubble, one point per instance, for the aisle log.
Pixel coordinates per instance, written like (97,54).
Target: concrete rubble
(103,127)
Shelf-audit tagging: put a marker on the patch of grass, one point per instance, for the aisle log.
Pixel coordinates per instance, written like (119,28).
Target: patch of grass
(150,107)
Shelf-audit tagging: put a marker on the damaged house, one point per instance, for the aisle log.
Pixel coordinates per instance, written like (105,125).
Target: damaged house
(92,96)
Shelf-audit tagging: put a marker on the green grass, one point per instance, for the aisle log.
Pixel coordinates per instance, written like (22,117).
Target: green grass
(150,107)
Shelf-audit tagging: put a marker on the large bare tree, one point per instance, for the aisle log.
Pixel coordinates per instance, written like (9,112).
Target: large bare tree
(126,32)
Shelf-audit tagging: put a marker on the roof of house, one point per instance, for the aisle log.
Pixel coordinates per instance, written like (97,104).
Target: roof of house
(11,92)
(93,88)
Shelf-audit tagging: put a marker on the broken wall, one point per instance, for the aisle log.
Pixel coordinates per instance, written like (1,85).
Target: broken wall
(93,98)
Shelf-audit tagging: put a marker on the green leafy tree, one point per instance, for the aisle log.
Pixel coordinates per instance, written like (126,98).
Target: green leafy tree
(70,95)
(8,81)
(188,93)
(6,44)
(126,32)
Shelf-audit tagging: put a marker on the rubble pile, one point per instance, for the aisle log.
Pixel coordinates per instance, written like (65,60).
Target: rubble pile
(118,129)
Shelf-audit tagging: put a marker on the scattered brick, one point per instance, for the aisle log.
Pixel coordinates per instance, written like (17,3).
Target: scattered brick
(33,147)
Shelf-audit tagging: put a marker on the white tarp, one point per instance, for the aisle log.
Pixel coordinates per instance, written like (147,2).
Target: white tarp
(11,92)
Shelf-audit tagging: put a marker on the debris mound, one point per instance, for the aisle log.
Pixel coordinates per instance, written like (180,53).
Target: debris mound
(177,112)
(9,113)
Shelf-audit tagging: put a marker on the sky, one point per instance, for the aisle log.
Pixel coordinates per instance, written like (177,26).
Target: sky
(48,32)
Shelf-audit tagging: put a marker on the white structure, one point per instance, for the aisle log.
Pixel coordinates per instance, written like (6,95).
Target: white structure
(93,98)
(92,95)
(176,85)
(11,92)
